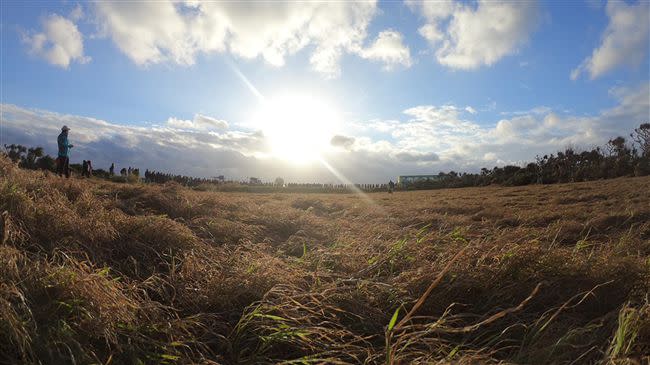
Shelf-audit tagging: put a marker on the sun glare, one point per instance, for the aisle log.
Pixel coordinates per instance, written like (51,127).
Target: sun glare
(298,128)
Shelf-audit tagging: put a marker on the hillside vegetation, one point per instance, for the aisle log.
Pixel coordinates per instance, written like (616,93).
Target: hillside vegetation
(97,272)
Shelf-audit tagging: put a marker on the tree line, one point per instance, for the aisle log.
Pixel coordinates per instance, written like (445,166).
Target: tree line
(255,184)
(619,157)
(190,181)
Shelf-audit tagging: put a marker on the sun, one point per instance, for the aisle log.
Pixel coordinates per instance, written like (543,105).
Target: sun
(298,128)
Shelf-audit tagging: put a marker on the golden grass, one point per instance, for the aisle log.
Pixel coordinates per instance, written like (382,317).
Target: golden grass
(99,272)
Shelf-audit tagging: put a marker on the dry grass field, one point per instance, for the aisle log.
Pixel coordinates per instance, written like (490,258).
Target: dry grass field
(105,273)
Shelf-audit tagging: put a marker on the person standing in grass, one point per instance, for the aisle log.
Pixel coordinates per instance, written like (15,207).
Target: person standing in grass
(63,160)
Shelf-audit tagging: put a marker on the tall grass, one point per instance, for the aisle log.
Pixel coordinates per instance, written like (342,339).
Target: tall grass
(93,271)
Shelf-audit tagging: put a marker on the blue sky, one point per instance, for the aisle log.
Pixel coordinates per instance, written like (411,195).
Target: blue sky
(412,87)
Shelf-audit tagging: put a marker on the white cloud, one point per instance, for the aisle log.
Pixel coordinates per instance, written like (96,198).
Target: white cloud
(551,120)
(388,48)
(434,129)
(428,140)
(200,122)
(468,36)
(507,129)
(446,116)
(490,156)
(624,42)
(60,42)
(158,147)
(470,110)
(210,122)
(463,144)
(153,32)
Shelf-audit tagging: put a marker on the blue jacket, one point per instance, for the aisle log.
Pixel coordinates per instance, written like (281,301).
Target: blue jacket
(64,145)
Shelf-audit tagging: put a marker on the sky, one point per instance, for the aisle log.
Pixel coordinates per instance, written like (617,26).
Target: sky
(322,91)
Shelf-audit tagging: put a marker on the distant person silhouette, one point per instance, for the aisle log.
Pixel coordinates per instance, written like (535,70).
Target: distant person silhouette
(89,169)
(111,170)
(63,159)
(123,172)
(391,187)
(84,168)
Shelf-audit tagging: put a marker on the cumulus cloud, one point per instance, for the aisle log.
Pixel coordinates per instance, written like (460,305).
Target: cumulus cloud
(507,129)
(428,139)
(160,148)
(624,42)
(59,43)
(546,132)
(153,32)
(235,154)
(200,122)
(435,128)
(388,48)
(342,141)
(468,36)
(462,144)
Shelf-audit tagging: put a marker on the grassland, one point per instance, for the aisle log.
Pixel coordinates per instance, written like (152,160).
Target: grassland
(99,272)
